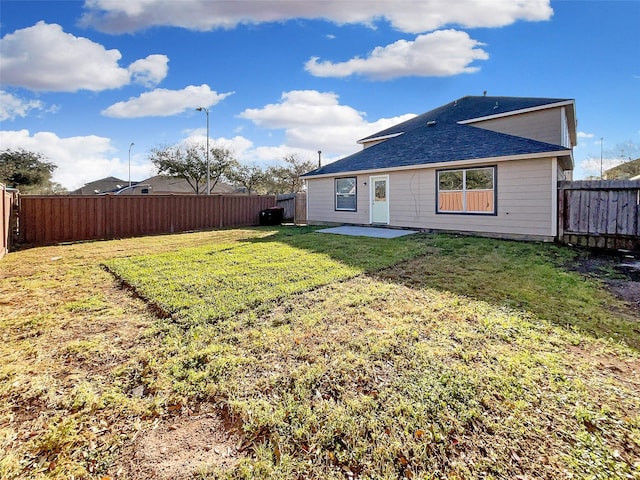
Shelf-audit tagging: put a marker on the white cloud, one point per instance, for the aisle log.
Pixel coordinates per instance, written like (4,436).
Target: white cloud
(12,106)
(412,16)
(315,120)
(583,139)
(44,57)
(79,159)
(149,71)
(437,54)
(239,145)
(585,135)
(164,103)
(591,165)
(304,108)
(247,153)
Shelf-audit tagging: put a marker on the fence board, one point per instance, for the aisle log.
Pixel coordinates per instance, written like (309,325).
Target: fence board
(6,203)
(300,214)
(612,220)
(600,214)
(288,202)
(623,214)
(585,198)
(53,219)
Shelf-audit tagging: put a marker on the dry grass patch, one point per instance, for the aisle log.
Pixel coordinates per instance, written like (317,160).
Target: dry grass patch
(69,337)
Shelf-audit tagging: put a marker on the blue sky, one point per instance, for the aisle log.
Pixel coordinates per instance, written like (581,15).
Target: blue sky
(81,80)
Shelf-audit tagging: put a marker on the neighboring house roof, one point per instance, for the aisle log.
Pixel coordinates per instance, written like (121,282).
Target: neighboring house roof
(163,184)
(446,134)
(103,185)
(158,185)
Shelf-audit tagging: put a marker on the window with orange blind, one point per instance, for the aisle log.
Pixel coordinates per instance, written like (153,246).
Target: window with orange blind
(467,190)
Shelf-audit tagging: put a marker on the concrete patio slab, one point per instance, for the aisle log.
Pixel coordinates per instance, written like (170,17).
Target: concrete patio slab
(375,232)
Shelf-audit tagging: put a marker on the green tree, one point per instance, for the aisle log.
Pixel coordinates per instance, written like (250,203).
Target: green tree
(28,171)
(251,177)
(190,163)
(286,178)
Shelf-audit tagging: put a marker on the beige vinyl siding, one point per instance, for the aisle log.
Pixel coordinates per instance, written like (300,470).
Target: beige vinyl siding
(321,198)
(524,205)
(564,174)
(525,201)
(544,125)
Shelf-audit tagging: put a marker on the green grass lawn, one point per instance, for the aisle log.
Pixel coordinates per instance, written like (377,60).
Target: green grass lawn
(427,356)
(217,281)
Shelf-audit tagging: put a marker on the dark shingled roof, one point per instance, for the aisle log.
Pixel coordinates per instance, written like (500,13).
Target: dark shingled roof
(446,140)
(467,108)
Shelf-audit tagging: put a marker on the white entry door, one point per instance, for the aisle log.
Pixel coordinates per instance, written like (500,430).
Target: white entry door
(379,199)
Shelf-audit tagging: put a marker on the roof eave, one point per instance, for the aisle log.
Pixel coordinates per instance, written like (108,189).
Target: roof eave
(564,153)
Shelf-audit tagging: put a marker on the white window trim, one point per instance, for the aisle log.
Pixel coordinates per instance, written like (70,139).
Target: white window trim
(335,195)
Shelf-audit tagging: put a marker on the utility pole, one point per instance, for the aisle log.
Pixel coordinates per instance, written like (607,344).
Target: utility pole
(601,143)
(130,164)
(203,109)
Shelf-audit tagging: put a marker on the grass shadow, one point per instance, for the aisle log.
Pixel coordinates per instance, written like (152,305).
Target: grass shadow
(533,277)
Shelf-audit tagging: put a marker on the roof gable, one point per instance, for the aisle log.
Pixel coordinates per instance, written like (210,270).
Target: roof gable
(466,109)
(448,134)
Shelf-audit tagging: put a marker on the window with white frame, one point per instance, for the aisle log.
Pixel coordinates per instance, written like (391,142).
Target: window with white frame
(346,189)
(467,190)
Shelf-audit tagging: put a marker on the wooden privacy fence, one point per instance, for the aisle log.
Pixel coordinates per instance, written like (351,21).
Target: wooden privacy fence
(45,220)
(295,207)
(600,213)
(288,203)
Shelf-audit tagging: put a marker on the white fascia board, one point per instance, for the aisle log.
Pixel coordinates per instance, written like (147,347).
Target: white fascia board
(554,195)
(378,139)
(518,112)
(450,164)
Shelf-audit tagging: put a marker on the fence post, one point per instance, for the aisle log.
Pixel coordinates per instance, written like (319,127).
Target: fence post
(220,210)
(300,208)
(561,191)
(5,220)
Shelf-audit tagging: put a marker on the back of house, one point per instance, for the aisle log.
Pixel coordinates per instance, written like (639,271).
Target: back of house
(482,165)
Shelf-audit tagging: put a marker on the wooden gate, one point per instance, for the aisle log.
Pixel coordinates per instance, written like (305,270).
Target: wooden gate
(295,207)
